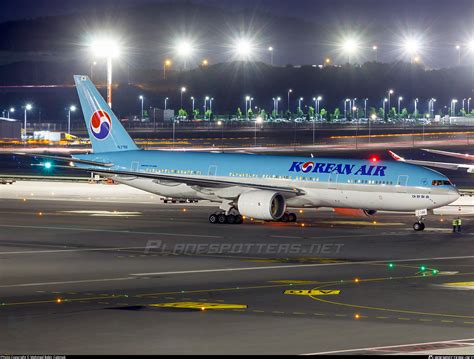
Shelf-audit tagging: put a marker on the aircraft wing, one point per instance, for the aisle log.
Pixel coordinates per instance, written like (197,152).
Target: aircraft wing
(189,180)
(445,165)
(464,156)
(65,159)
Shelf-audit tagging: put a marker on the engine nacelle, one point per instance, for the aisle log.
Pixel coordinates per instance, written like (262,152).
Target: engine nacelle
(352,212)
(262,204)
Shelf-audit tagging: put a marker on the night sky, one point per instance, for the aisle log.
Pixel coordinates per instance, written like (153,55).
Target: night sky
(440,24)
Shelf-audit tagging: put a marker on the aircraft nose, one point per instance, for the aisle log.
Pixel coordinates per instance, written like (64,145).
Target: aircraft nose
(453,194)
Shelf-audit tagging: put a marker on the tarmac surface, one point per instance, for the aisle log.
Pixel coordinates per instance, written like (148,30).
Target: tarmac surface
(80,275)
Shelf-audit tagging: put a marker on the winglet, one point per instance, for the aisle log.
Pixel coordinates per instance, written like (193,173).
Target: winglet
(396,157)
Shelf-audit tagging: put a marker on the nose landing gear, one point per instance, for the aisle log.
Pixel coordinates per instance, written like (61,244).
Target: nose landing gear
(419,225)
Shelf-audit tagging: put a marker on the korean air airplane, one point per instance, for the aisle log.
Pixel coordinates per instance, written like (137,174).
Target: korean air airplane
(257,186)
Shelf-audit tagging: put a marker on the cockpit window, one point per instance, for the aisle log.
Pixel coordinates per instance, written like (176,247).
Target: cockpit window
(441,183)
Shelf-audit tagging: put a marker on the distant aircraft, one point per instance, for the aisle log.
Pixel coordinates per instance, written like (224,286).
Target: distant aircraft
(446,165)
(257,186)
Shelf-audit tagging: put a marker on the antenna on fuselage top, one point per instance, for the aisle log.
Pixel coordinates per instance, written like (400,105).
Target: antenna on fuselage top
(312,155)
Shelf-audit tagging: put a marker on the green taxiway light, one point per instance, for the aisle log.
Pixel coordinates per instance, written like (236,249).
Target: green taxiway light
(391,265)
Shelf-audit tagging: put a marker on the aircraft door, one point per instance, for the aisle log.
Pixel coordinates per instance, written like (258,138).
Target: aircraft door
(212,170)
(402,182)
(332,180)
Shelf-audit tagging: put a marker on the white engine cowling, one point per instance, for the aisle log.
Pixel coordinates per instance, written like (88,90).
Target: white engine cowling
(262,204)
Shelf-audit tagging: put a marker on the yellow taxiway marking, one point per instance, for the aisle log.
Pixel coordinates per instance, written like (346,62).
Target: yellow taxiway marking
(312,292)
(388,309)
(199,305)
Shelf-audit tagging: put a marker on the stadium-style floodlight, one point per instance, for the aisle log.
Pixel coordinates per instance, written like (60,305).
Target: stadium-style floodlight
(350,46)
(193,99)
(184,49)
(205,62)
(108,48)
(71,108)
(244,48)
(412,46)
(166,102)
(470,45)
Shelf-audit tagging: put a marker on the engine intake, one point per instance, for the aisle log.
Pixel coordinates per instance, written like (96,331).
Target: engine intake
(262,204)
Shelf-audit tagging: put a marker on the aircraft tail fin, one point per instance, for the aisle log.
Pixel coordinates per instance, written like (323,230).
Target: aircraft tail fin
(105,130)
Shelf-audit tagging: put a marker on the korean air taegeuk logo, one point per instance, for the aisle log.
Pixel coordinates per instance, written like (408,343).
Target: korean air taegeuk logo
(100,124)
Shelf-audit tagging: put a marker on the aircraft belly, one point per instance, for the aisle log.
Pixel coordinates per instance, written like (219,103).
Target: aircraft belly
(175,190)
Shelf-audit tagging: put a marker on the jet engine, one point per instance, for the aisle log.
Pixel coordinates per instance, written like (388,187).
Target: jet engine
(261,204)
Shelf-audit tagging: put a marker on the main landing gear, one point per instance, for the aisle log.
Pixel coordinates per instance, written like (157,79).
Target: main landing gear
(223,218)
(287,217)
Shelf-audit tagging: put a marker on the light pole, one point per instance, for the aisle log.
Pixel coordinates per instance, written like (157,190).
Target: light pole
(258,120)
(463,109)
(433,100)
(390,92)
(221,124)
(250,103)
(278,100)
(289,91)
(365,107)
(174,129)
(28,107)
(70,109)
(109,49)
(12,109)
(375,50)
(166,63)
(183,90)
(416,110)
(385,100)
(192,99)
(270,49)
(141,98)
(93,63)
(299,104)
(345,107)
(247,99)
(469,105)
(400,99)
(166,102)
(453,107)
(210,105)
(274,106)
(205,105)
